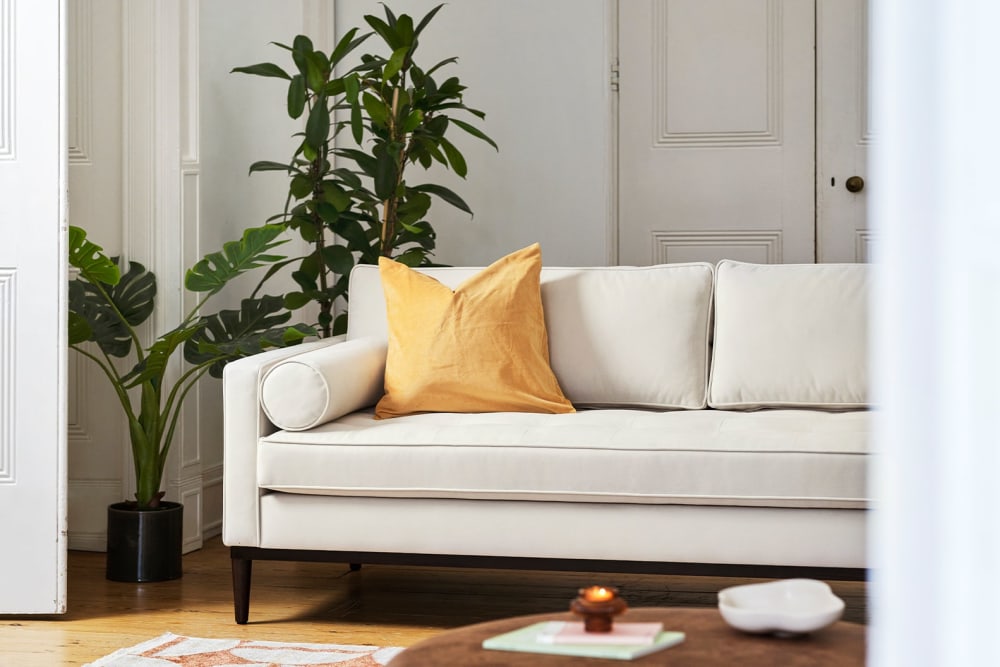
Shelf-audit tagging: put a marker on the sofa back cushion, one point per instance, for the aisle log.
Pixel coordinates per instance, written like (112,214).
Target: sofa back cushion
(618,336)
(791,335)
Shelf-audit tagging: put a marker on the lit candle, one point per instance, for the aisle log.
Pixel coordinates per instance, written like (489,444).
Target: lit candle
(598,605)
(597,594)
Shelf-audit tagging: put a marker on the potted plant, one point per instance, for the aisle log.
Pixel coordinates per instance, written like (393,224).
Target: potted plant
(106,305)
(354,204)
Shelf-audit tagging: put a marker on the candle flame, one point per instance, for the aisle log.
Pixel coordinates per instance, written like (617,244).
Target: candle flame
(598,594)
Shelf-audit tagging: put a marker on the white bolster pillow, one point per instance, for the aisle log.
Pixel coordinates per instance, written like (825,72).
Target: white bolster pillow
(319,386)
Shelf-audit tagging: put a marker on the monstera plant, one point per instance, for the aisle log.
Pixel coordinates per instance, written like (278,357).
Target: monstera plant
(354,203)
(107,304)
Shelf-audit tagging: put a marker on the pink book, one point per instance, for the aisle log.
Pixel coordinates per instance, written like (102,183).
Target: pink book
(633,634)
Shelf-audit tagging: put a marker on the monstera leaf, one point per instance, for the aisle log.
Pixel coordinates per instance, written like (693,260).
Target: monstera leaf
(230,334)
(131,297)
(92,318)
(79,330)
(135,293)
(89,258)
(217,268)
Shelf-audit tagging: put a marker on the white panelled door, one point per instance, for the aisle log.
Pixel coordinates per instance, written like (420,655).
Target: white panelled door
(741,125)
(843,131)
(716,131)
(32,307)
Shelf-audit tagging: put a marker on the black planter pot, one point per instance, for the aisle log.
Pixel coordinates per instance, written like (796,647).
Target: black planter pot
(144,545)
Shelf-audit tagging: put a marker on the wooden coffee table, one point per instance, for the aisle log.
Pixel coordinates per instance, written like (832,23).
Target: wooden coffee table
(709,642)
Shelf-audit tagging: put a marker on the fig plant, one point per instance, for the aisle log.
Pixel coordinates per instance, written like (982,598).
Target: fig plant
(352,202)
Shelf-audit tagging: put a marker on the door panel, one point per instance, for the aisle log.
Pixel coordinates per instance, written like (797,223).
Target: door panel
(844,130)
(32,308)
(716,131)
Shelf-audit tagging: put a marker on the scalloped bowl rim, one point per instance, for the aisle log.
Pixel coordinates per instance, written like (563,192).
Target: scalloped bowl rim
(788,606)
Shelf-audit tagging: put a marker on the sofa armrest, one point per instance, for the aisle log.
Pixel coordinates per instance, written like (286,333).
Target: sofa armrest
(244,423)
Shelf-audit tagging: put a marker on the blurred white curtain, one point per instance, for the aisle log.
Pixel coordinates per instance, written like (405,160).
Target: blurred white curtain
(935,203)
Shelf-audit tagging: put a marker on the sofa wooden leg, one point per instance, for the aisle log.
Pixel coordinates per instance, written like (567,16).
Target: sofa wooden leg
(355,567)
(242,569)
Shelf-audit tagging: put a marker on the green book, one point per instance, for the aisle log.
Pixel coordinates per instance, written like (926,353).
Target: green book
(537,639)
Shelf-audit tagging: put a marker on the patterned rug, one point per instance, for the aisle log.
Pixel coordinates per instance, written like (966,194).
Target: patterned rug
(171,649)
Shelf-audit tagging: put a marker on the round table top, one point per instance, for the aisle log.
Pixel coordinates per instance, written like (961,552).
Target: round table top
(709,641)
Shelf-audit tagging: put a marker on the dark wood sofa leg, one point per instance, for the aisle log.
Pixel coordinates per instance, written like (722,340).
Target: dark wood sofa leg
(355,567)
(242,569)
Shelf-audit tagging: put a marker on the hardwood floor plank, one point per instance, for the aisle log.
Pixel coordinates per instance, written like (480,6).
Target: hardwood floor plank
(321,602)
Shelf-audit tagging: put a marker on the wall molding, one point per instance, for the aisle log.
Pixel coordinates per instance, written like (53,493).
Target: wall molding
(765,243)
(189,83)
(864,240)
(318,23)
(77,407)
(90,540)
(211,479)
(864,77)
(189,215)
(80,67)
(83,494)
(139,131)
(189,492)
(665,138)
(8,374)
(611,53)
(8,39)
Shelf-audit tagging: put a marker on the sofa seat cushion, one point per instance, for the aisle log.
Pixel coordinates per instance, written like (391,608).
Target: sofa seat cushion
(772,458)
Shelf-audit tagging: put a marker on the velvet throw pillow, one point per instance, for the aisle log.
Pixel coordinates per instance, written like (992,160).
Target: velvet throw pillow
(480,348)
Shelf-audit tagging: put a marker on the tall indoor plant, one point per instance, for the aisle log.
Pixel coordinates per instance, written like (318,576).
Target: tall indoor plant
(105,308)
(352,204)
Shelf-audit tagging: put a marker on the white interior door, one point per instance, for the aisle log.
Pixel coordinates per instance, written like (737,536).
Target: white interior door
(32,307)
(843,132)
(716,131)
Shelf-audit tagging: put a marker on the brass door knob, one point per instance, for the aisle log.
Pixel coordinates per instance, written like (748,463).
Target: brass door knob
(855,184)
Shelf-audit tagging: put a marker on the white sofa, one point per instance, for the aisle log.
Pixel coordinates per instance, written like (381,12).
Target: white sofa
(721,428)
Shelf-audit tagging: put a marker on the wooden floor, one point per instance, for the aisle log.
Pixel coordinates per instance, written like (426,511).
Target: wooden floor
(314,602)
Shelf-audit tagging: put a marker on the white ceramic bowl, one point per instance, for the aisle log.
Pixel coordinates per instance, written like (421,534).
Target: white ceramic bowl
(786,607)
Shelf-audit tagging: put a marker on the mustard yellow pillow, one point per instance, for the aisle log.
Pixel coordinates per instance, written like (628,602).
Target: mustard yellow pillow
(480,348)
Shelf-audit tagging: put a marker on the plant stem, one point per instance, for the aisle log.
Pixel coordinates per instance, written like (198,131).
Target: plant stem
(325,303)
(390,204)
(197,372)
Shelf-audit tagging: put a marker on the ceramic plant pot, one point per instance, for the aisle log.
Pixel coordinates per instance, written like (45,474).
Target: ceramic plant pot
(144,545)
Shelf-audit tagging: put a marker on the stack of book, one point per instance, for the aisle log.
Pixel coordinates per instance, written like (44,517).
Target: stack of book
(626,641)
